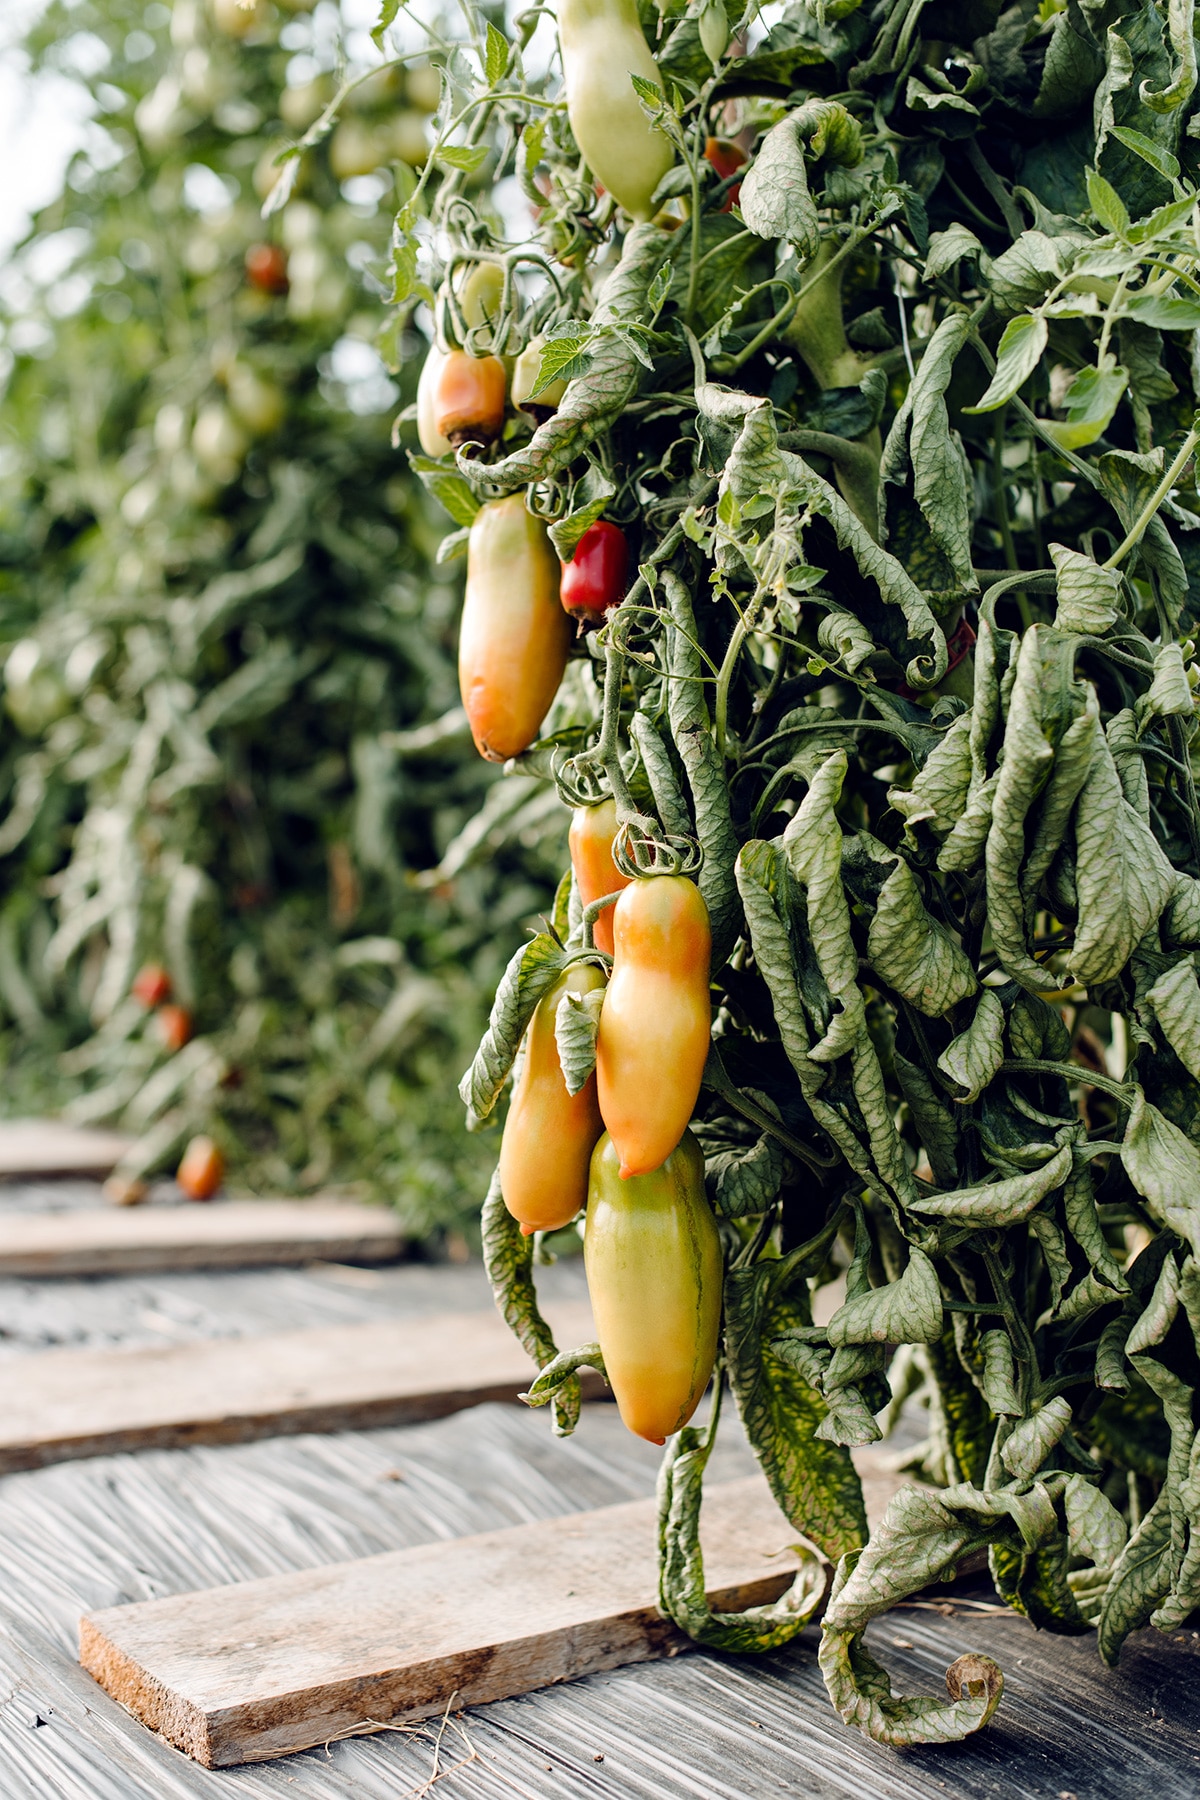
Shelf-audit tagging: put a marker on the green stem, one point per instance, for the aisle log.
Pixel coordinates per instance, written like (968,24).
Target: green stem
(741,631)
(1138,529)
(729,365)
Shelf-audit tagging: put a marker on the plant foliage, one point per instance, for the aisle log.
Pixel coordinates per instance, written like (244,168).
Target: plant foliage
(905,445)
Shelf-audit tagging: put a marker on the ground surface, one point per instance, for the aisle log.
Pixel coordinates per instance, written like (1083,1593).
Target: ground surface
(89,1534)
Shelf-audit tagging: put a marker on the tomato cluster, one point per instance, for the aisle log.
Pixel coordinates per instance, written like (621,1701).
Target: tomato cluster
(620,1146)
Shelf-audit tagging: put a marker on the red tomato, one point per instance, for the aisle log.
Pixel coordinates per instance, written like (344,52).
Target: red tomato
(267,268)
(174,1026)
(595,579)
(726,158)
(202,1170)
(152,985)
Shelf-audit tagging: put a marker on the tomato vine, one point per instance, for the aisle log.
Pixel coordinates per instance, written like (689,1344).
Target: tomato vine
(901,440)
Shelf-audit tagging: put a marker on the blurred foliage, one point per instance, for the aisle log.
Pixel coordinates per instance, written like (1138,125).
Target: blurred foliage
(230,734)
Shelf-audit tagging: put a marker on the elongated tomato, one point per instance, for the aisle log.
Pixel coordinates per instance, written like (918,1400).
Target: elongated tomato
(549,1135)
(431,440)
(654,1029)
(653,1260)
(602,45)
(593,829)
(515,636)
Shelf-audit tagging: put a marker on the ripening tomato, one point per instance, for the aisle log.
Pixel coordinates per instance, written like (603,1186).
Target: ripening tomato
(202,1170)
(654,1029)
(549,1134)
(468,398)
(653,1259)
(431,440)
(602,45)
(525,374)
(596,577)
(593,829)
(152,985)
(266,268)
(726,158)
(174,1026)
(515,637)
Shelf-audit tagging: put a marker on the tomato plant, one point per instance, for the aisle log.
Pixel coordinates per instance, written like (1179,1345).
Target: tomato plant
(901,703)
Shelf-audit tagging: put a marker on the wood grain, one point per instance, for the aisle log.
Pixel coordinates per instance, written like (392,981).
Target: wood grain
(36,1147)
(226,1234)
(64,1404)
(257,1669)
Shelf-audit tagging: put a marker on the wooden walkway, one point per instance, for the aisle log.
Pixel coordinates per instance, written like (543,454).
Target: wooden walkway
(84,1536)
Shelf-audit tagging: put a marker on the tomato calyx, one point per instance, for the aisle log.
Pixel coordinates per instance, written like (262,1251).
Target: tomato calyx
(595,579)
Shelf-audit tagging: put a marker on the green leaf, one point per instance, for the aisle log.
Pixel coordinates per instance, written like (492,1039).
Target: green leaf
(1175,998)
(1122,877)
(976,1053)
(1141,1579)
(453,546)
(1031,1442)
(920,440)
(650,94)
(387,16)
(935,1124)
(682,1596)
(508,1259)
(999,1203)
(1019,354)
(447,487)
(495,60)
(1107,204)
(576,1022)
(554,1375)
(1095,1529)
(775,201)
(1164,1167)
(1088,595)
(949,247)
(746,1180)
(1090,402)
(908,1311)
(913,952)
(1170,694)
(466,157)
(532,971)
(939,790)
(814,1482)
(999,1374)
(1166,312)
(1159,159)
(566,533)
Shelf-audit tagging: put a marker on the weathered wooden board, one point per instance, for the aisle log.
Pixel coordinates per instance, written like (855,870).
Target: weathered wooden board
(32,1148)
(247,1672)
(226,1234)
(66,1404)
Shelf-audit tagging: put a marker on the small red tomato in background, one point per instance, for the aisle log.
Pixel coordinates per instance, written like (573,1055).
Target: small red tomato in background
(726,158)
(174,1026)
(202,1170)
(594,580)
(152,985)
(267,268)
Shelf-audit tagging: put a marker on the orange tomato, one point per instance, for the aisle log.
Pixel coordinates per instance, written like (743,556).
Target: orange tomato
(593,829)
(202,1170)
(549,1135)
(468,398)
(515,636)
(174,1026)
(654,1029)
(152,985)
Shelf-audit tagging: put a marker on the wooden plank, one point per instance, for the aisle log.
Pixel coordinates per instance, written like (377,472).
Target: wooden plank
(227,1234)
(258,1669)
(65,1404)
(30,1148)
